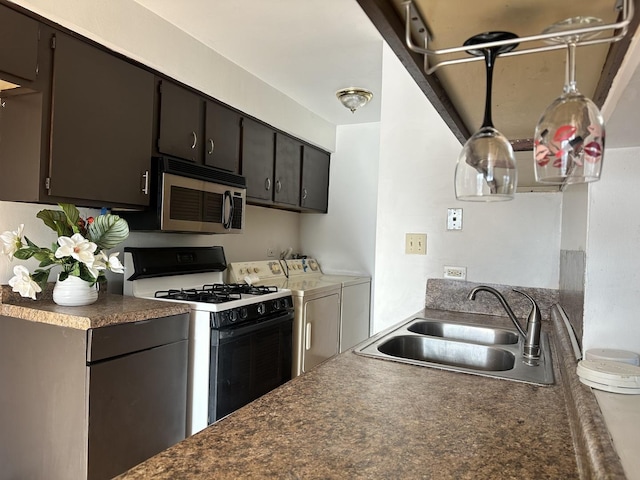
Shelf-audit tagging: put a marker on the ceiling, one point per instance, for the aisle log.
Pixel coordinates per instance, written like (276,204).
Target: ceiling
(309,49)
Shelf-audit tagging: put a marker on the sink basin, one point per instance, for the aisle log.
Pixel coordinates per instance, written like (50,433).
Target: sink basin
(464,331)
(429,349)
(461,347)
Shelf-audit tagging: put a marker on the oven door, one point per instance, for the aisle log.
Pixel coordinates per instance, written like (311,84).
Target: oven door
(247,362)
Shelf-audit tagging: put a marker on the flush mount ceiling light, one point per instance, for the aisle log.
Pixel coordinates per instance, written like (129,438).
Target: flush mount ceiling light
(354,97)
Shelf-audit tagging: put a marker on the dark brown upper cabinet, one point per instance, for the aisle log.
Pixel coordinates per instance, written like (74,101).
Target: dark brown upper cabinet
(315,180)
(101,125)
(258,147)
(181,133)
(222,137)
(19,37)
(287,170)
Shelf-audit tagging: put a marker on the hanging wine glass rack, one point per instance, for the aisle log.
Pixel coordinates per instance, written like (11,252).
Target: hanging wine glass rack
(413,16)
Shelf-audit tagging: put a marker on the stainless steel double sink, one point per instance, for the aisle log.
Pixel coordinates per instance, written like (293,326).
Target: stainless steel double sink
(462,347)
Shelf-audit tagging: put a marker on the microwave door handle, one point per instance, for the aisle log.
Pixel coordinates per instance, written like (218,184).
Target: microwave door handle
(227,219)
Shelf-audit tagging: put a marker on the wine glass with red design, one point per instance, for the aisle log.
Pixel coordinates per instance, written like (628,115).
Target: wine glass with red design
(569,138)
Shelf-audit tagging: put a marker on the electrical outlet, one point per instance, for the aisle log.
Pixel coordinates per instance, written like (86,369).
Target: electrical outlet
(415,244)
(454,219)
(455,273)
(271,252)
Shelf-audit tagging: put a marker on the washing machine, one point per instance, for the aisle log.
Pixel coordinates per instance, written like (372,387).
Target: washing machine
(317,303)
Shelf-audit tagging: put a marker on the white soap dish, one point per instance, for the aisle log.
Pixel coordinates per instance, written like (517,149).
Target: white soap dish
(610,376)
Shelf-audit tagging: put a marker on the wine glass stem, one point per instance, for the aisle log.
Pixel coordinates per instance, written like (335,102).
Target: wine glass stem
(489,58)
(570,73)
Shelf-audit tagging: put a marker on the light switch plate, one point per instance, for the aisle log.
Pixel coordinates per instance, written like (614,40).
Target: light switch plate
(415,244)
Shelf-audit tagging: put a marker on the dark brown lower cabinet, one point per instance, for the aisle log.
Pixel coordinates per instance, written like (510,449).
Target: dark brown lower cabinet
(90,404)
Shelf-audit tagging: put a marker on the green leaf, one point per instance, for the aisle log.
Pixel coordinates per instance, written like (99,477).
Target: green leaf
(40,277)
(72,214)
(107,231)
(63,276)
(24,253)
(56,221)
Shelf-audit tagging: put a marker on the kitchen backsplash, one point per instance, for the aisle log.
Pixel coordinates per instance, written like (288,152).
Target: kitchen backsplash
(452,295)
(572,268)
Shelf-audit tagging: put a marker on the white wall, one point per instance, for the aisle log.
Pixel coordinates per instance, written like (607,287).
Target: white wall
(343,241)
(612,302)
(515,242)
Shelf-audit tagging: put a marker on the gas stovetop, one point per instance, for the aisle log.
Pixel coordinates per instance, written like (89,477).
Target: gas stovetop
(216,293)
(195,275)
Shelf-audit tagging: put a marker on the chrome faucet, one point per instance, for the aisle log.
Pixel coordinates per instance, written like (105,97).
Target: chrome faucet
(531,335)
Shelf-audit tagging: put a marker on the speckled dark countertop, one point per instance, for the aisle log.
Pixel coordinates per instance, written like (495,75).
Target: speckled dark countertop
(358,417)
(109,309)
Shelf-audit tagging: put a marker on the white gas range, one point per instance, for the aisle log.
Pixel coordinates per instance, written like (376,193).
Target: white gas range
(235,329)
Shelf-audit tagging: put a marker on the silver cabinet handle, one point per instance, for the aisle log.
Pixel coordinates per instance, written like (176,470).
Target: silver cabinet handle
(304,193)
(211,147)
(267,184)
(145,184)
(278,186)
(195,140)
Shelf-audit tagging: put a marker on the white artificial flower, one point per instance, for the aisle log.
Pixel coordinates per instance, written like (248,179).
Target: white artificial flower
(12,241)
(77,247)
(99,263)
(114,263)
(22,282)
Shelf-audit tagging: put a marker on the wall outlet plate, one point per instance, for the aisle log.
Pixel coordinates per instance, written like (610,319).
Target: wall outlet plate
(455,273)
(415,244)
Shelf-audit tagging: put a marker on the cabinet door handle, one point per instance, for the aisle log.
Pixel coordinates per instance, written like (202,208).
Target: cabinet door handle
(145,182)
(304,193)
(267,184)
(195,140)
(211,147)
(307,336)
(278,186)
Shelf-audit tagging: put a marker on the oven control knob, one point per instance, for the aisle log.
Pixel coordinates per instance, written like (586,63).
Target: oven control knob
(256,269)
(276,304)
(244,313)
(262,308)
(233,315)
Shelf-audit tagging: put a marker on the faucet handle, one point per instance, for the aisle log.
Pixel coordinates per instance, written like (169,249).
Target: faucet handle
(534,314)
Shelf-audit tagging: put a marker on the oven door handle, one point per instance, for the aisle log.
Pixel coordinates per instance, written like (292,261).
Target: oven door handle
(229,334)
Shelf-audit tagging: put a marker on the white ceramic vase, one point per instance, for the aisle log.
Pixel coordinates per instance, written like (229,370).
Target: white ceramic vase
(74,292)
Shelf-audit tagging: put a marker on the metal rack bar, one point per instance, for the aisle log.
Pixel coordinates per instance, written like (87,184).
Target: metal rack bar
(411,11)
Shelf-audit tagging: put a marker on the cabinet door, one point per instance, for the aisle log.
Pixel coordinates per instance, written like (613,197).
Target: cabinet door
(315,179)
(222,137)
(18,44)
(101,127)
(287,170)
(180,122)
(258,142)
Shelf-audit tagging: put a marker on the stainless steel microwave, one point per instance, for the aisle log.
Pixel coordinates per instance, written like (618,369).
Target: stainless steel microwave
(191,198)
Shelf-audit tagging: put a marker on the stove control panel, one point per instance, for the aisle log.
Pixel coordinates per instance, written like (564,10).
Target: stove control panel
(239,272)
